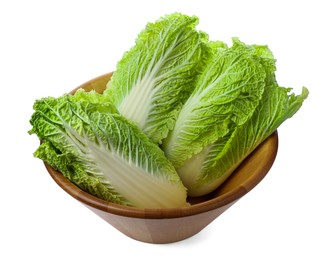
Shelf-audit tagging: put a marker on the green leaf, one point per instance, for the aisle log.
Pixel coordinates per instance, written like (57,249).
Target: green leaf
(226,95)
(216,163)
(156,76)
(104,154)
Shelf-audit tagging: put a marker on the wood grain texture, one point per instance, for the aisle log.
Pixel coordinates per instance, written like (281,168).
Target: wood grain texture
(171,225)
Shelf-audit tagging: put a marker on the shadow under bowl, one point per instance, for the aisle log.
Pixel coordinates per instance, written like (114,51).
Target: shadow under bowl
(174,224)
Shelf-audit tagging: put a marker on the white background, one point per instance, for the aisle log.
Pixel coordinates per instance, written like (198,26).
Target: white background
(49,47)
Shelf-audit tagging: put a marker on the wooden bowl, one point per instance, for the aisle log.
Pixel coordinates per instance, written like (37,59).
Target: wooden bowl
(171,225)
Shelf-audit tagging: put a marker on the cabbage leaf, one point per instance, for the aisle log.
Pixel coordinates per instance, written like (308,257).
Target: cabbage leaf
(207,170)
(155,77)
(100,151)
(226,95)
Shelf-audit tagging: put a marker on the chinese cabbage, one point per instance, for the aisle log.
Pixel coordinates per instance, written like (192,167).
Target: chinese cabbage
(155,77)
(207,170)
(104,154)
(226,95)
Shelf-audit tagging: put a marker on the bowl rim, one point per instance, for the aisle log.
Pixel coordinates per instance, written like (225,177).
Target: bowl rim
(220,201)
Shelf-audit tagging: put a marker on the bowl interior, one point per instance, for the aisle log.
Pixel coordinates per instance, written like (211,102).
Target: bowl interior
(249,173)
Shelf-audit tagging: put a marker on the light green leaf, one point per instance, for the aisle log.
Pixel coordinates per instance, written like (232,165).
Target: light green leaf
(226,95)
(155,77)
(216,163)
(104,154)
